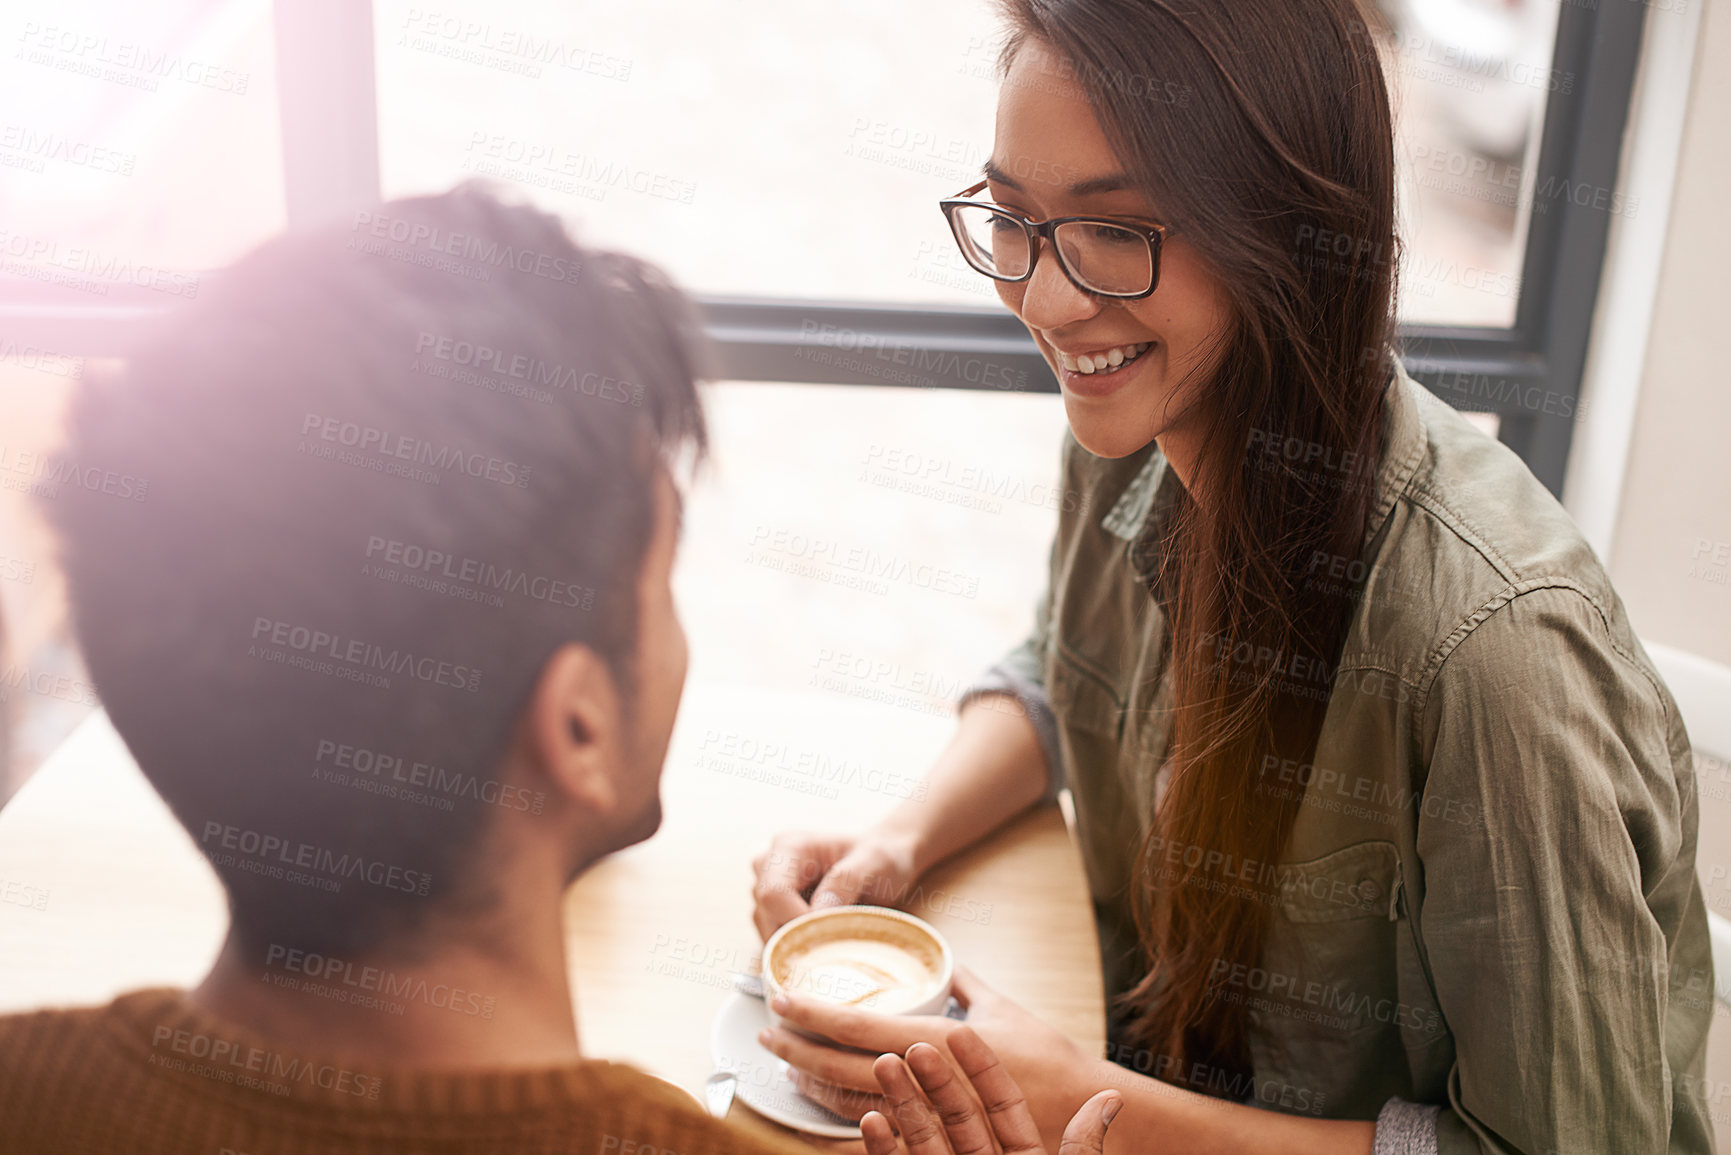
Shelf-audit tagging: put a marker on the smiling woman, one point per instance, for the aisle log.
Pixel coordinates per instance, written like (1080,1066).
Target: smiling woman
(1334,684)
(1244,334)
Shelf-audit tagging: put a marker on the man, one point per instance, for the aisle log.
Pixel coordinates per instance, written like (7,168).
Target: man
(376,586)
(391,631)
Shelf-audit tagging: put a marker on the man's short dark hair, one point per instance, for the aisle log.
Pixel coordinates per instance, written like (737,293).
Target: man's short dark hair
(361,492)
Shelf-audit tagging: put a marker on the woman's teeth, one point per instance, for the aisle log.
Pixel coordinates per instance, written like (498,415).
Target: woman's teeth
(1106,359)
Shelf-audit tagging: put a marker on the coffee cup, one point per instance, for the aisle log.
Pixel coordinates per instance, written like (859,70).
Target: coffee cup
(869,957)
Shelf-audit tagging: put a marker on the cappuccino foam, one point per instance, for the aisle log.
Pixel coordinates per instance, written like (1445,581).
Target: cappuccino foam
(857,966)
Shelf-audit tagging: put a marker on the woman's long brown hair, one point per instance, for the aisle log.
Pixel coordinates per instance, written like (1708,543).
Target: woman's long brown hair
(1262,129)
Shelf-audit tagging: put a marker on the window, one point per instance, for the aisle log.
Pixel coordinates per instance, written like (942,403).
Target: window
(1470,82)
(823,138)
(140,146)
(1511,118)
(139,149)
(784,162)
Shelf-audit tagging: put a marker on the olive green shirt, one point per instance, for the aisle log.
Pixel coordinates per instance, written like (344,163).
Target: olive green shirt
(1489,936)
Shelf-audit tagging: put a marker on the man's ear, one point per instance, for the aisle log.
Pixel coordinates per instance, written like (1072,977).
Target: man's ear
(574,728)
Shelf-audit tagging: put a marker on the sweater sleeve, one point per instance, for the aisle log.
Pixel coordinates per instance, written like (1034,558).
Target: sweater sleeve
(1404,1128)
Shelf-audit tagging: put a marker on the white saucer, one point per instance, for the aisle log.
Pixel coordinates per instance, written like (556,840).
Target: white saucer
(763,1082)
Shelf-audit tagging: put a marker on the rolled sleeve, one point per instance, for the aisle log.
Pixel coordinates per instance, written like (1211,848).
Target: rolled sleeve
(1021,674)
(1011,676)
(1549,918)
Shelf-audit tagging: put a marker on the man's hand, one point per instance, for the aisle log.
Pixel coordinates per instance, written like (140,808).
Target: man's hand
(1058,1075)
(947,1119)
(804,872)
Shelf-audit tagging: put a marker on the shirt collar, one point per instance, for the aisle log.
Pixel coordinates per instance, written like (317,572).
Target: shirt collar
(1403,446)
(1128,514)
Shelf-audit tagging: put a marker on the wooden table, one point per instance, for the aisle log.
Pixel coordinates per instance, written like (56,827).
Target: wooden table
(101,891)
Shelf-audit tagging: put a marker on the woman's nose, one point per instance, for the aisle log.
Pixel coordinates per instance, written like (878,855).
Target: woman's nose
(1049,300)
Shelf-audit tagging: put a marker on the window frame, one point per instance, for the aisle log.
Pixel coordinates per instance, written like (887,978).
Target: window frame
(1528,374)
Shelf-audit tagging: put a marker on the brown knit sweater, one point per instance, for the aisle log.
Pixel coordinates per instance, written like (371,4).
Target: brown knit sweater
(151,1074)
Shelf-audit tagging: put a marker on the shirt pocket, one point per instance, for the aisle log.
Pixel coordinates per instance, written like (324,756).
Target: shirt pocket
(1084,698)
(1356,881)
(1090,717)
(1324,1009)
(1334,936)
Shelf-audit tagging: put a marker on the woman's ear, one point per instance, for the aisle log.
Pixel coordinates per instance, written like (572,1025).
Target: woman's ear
(573,729)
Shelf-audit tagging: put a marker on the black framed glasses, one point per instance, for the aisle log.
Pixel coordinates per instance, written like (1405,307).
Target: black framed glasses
(1115,257)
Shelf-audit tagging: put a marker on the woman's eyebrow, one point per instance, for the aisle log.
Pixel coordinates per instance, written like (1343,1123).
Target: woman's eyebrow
(1111,182)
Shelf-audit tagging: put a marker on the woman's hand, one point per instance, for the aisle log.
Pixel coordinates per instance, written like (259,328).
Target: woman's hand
(1054,1070)
(802,872)
(993,769)
(948,1118)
